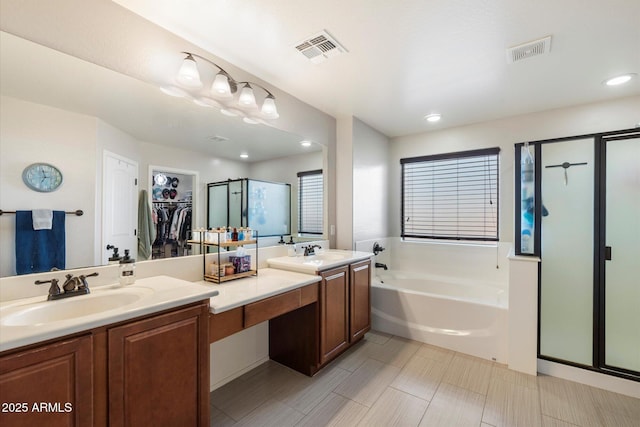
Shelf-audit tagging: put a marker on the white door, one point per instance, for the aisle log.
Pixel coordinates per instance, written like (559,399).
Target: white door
(119,205)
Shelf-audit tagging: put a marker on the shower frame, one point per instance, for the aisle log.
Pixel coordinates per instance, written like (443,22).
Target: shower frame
(599,249)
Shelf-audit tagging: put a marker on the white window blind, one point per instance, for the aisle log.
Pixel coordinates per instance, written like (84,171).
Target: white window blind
(451,196)
(310,198)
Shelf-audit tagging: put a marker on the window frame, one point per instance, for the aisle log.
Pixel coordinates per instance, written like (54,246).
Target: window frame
(494,151)
(301,176)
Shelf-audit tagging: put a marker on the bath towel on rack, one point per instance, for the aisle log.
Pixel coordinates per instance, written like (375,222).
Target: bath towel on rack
(39,250)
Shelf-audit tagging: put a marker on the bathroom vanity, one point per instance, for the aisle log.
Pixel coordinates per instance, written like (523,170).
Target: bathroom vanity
(146,363)
(317,307)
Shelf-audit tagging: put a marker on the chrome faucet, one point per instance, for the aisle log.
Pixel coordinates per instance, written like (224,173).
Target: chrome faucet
(311,249)
(72,286)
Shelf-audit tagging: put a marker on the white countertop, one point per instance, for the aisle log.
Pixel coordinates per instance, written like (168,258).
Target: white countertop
(267,283)
(156,294)
(323,260)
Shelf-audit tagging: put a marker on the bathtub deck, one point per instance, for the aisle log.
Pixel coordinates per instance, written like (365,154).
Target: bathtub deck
(387,380)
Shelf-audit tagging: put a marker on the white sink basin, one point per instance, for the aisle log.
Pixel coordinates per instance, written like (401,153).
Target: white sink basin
(314,263)
(71,308)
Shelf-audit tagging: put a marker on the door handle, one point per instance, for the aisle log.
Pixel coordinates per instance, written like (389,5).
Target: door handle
(607,253)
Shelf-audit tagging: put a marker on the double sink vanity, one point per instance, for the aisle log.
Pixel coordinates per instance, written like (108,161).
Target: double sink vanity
(139,354)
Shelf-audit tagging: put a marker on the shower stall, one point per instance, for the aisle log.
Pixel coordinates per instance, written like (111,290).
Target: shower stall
(261,205)
(579,211)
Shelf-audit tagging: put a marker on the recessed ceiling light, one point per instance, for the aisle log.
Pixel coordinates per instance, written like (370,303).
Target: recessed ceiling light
(244,156)
(174,91)
(207,102)
(618,80)
(249,120)
(305,143)
(432,117)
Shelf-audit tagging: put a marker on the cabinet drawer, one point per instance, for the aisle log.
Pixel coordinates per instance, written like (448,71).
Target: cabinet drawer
(269,308)
(308,294)
(224,324)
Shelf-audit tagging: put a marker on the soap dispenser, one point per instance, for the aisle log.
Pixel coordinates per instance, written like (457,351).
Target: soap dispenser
(127,269)
(115,257)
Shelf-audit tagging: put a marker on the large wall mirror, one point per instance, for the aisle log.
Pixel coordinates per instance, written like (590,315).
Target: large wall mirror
(78,116)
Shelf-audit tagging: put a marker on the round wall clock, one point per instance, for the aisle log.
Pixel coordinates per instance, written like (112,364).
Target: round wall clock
(42,177)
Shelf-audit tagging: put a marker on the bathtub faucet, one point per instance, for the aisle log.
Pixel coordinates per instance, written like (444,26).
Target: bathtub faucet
(381,265)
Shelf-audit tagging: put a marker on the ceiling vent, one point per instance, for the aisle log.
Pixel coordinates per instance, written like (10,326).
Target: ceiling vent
(320,47)
(527,50)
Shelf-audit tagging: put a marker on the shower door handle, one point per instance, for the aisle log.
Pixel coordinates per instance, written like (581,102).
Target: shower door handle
(607,253)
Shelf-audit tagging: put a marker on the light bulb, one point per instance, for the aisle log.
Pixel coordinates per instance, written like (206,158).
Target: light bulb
(188,74)
(269,109)
(247,99)
(220,86)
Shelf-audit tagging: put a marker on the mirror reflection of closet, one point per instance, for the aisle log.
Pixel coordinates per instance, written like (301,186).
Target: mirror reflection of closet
(172,193)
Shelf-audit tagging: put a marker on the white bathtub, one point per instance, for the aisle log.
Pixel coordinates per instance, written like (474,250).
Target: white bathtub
(466,316)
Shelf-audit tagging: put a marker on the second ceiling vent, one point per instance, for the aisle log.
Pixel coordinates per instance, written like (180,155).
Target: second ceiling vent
(320,47)
(527,50)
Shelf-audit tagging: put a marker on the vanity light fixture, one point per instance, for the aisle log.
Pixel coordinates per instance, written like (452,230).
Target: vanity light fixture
(305,143)
(244,155)
(619,80)
(432,118)
(232,97)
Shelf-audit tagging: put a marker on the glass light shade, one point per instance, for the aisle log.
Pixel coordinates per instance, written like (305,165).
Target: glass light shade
(188,74)
(220,86)
(247,99)
(269,109)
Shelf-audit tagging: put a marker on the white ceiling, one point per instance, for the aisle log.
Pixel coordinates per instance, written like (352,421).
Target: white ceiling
(408,58)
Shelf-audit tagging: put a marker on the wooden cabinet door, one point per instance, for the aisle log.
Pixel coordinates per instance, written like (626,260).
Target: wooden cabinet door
(48,386)
(159,370)
(334,313)
(360,299)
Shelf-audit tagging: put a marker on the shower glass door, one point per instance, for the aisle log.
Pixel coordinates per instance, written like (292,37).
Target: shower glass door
(622,267)
(566,282)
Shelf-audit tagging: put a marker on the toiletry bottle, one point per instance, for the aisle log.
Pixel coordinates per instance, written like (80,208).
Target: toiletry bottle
(127,269)
(234,235)
(241,234)
(248,234)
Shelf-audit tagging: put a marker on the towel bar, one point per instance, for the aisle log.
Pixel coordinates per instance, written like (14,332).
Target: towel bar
(78,212)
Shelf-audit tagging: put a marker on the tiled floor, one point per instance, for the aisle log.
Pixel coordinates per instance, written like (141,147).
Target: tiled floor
(390,381)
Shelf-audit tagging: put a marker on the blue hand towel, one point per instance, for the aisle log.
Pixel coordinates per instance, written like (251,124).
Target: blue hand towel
(39,250)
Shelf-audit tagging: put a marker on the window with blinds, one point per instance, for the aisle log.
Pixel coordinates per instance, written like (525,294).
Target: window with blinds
(310,197)
(451,196)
